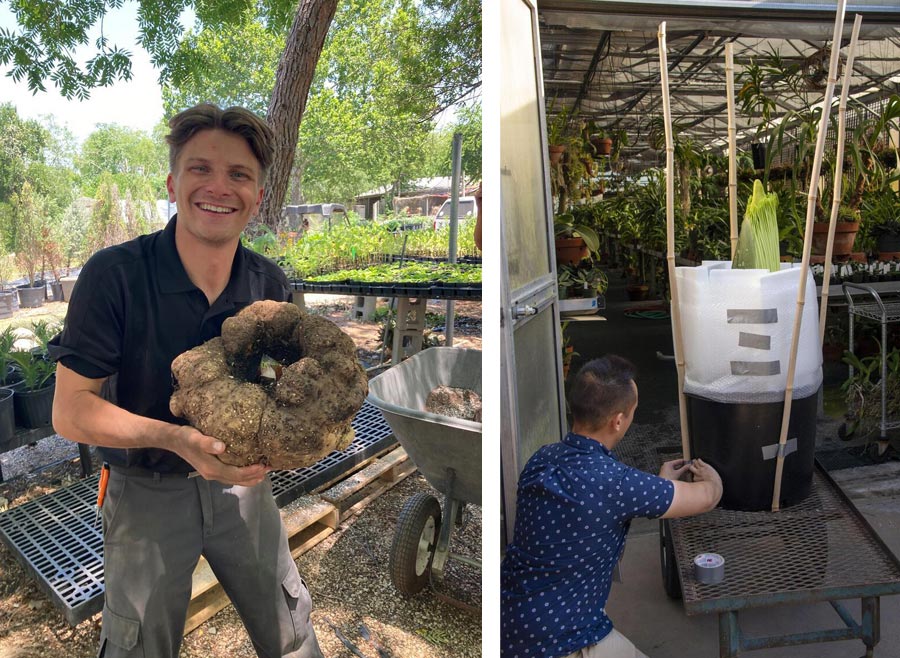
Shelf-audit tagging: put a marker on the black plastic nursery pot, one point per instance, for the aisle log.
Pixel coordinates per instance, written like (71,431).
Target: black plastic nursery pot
(9,302)
(7,416)
(35,408)
(32,297)
(738,440)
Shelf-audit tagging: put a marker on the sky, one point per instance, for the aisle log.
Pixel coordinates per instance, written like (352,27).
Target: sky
(136,103)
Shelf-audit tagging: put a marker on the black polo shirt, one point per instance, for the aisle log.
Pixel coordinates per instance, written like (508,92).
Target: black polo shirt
(134,309)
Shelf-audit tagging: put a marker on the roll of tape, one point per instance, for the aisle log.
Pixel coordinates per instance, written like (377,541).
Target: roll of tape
(709,568)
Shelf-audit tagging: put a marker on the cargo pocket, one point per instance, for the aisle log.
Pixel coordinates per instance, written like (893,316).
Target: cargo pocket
(299,605)
(119,636)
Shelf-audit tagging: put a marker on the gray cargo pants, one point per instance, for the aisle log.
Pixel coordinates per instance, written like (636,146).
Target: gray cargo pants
(155,530)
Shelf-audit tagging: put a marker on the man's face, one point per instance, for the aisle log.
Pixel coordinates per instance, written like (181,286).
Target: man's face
(216,185)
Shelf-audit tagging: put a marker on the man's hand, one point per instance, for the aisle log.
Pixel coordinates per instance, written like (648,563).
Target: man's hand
(674,469)
(696,497)
(703,472)
(200,451)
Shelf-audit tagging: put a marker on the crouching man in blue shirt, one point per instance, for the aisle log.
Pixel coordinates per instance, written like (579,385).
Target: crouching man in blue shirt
(574,505)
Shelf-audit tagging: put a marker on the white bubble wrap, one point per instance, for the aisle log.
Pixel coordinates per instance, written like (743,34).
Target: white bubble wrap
(737,326)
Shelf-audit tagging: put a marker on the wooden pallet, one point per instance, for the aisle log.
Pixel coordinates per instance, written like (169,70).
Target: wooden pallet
(308,521)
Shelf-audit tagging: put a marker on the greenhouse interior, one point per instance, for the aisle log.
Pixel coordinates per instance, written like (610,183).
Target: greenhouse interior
(722,189)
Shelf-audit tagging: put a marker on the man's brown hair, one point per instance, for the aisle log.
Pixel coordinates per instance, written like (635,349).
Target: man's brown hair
(236,120)
(602,388)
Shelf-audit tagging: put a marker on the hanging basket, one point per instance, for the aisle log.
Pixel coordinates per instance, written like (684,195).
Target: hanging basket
(556,152)
(602,145)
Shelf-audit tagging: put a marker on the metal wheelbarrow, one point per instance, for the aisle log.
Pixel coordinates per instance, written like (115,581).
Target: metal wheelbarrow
(447,451)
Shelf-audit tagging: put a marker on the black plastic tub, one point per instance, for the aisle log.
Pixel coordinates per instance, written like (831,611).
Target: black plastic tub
(734,437)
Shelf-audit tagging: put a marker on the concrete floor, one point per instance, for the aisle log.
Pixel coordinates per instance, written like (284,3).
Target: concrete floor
(638,605)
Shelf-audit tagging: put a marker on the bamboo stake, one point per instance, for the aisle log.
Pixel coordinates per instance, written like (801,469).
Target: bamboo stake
(732,146)
(807,244)
(838,182)
(670,240)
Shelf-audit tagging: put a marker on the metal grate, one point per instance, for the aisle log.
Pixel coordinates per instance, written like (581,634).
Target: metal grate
(873,311)
(820,549)
(53,536)
(373,434)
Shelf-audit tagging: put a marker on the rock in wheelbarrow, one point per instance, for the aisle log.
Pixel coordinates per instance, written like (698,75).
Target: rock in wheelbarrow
(454,402)
(290,419)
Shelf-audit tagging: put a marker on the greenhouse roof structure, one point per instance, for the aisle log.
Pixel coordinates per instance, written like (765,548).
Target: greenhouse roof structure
(600,60)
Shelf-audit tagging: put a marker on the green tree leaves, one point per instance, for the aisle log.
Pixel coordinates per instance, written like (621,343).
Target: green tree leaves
(387,68)
(50,31)
(133,159)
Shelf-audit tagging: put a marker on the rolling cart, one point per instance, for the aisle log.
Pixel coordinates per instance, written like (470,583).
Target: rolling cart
(884,313)
(820,550)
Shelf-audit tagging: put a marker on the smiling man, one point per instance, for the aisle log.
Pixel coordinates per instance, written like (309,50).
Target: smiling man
(136,307)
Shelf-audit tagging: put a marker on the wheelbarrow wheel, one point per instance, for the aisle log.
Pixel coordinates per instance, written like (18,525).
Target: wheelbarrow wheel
(415,541)
(667,561)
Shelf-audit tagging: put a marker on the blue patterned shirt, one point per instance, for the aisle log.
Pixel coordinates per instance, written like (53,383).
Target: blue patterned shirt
(574,505)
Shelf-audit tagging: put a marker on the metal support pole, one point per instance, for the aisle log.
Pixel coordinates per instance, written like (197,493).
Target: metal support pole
(454,229)
(871,623)
(729,634)
(883,379)
(451,509)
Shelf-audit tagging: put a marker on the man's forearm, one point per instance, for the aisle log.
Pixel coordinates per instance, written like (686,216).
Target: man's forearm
(85,417)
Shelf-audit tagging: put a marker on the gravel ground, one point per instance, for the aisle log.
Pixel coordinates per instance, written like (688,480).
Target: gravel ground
(347,573)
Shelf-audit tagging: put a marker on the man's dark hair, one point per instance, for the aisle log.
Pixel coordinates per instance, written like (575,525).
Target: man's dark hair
(236,120)
(602,388)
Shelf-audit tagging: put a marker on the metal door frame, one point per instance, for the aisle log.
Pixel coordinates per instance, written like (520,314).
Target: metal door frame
(518,307)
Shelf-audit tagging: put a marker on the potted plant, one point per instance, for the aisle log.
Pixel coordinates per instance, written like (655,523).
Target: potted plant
(881,218)
(33,402)
(9,301)
(28,211)
(835,342)
(557,132)
(863,390)
(52,256)
(573,241)
(846,228)
(7,340)
(737,320)
(564,281)
(755,102)
(44,331)
(584,279)
(601,144)
(568,350)
(7,412)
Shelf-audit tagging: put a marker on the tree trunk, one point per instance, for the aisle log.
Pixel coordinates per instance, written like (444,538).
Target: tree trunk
(292,81)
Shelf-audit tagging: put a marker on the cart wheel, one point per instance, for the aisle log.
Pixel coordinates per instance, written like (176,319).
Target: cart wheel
(414,543)
(671,583)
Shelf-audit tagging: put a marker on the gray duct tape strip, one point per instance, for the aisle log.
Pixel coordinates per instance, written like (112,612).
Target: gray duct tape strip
(752,315)
(755,368)
(771,452)
(756,341)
